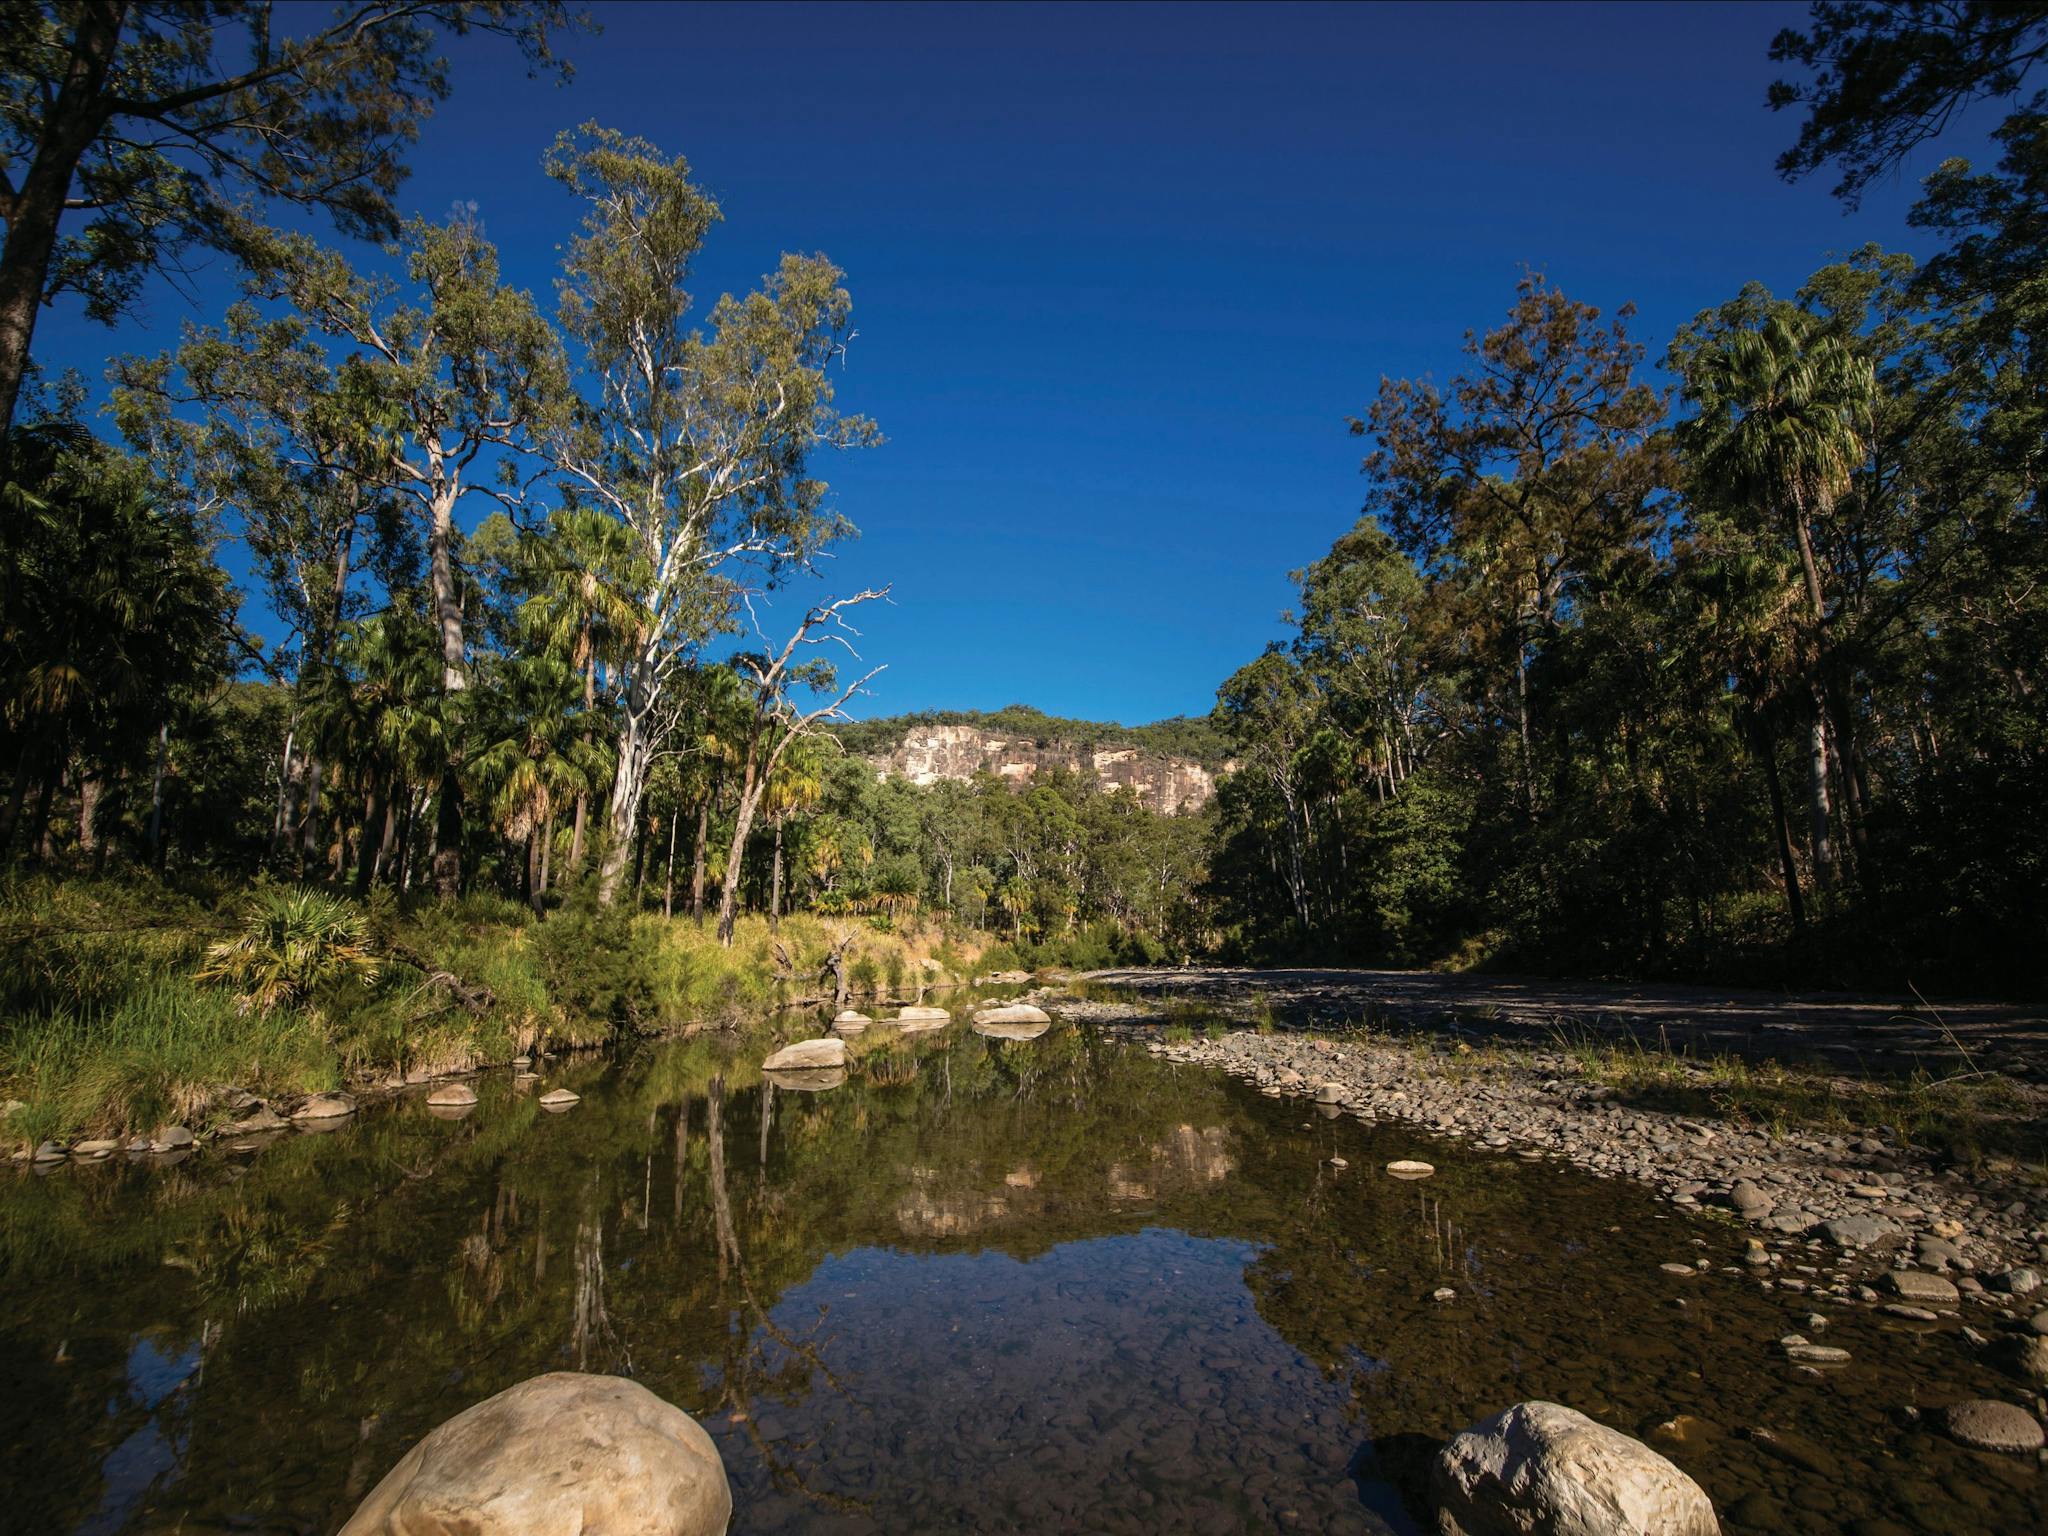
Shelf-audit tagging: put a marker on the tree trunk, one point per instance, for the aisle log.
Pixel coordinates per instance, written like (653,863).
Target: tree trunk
(751,786)
(447,863)
(697,855)
(309,821)
(547,852)
(156,795)
(1819,813)
(583,796)
(775,884)
(1788,866)
(668,884)
(531,878)
(88,813)
(366,850)
(282,821)
(629,784)
(71,122)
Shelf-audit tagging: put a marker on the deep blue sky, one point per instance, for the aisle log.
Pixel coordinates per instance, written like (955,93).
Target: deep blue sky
(1120,275)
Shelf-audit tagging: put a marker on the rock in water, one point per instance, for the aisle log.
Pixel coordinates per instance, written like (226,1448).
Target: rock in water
(1993,1426)
(921,1014)
(323,1106)
(559,1455)
(1330,1093)
(451,1096)
(1409,1168)
(851,1022)
(807,1053)
(1911,1285)
(559,1098)
(1013,1013)
(809,1079)
(1541,1469)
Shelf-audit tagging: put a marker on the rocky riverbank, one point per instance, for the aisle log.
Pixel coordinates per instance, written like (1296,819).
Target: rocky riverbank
(1851,1218)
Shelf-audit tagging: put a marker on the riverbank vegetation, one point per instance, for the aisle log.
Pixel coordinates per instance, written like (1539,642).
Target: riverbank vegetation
(1716,655)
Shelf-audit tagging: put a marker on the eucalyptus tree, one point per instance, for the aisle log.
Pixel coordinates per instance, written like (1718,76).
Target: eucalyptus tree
(1780,428)
(696,439)
(1526,479)
(463,376)
(776,721)
(166,126)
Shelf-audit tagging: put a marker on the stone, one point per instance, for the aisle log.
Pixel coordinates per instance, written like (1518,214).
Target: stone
(1750,1203)
(921,1025)
(2020,1282)
(850,1022)
(96,1149)
(169,1138)
(562,1454)
(1443,1293)
(1816,1354)
(1911,1285)
(2039,1322)
(1003,979)
(262,1123)
(559,1098)
(1330,1093)
(1338,1162)
(2026,1356)
(1013,1013)
(1992,1426)
(1409,1168)
(809,1079)
(1910,1313)
(324,1106)
(1859,1230)
(1754,1253)
(1541,1469)
(922,1014)
(807,1053)
(452,1096)
(51,1152)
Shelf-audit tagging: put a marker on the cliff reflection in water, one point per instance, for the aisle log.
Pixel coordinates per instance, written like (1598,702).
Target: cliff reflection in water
(995,1285)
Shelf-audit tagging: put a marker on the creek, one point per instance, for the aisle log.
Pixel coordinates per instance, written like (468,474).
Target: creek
(984,1285)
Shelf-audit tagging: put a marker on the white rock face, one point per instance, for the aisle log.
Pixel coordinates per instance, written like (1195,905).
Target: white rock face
(1541,1469)
(561,1455)
(807,1053)
(930,753)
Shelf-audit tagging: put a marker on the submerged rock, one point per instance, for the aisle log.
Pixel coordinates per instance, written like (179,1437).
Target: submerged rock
(809,1079)
(1914,1286)
(170,1138)
(559,1098)
(1990,1425)
(1544,1468)
(807,1053)
(452,1096)
(923,1014)
(559,1455)
(1409,1168)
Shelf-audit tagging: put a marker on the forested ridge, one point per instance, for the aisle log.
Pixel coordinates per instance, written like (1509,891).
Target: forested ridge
(1712,655)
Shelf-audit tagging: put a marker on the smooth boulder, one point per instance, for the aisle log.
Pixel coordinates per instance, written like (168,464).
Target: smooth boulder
(809,1079)
(1990,1425)
(1541,1469)
(851,1022)
(1013,1013)
(559,1099)
(565,1454)
(923,1014)
(807,1053)
(452,1096)
(324,1106)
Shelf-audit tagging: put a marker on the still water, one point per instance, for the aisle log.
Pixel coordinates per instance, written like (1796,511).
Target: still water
(1035,1286)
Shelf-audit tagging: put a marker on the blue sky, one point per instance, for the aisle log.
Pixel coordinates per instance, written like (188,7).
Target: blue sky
(1120,275)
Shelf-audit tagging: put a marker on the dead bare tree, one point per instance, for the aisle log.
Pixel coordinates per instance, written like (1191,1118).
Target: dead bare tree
(777,721)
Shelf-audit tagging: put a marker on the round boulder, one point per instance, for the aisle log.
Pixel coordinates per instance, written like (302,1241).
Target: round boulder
(922,1014)
(1990,1425)
(559,1455)
(559,1099)
(851,1022)
(452,1096)
(324,1106)
(1410,1168)
(1013,1013)
(1541,1469)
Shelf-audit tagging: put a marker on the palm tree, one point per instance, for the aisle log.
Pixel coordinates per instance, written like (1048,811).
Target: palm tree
(375,715)
(533,757)
(582,574)
(1782,425)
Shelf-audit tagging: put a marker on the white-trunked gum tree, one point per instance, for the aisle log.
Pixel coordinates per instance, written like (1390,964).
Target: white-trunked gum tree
(698,440)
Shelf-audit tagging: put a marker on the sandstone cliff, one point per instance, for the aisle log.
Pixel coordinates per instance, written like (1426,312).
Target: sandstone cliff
(929,753)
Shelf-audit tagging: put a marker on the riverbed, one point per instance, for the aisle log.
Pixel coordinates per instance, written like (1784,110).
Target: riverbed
(985,1285)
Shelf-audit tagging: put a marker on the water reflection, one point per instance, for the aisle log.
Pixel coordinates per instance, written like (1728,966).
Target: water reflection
(1022,1285)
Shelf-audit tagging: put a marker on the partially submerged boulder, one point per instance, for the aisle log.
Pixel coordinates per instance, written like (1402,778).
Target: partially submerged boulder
(809,1079)
(560,1455)
(1013,1013)
(559,1099)
(323,1106)
(807,1053)
(452,1096)
(851,1021)
(1541,1469)
(923,1014)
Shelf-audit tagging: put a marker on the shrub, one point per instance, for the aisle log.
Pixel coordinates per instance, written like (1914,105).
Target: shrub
(597,966)
(292,941)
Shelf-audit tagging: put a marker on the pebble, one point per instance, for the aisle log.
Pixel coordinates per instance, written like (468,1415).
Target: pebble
(1443,1293)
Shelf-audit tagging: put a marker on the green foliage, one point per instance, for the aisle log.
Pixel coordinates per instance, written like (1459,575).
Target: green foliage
(293,942)
(598,965)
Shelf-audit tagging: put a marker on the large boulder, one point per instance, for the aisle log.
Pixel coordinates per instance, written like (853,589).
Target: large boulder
(807,1053)
(1541,1469)
(1019,1021)
(560,1455)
